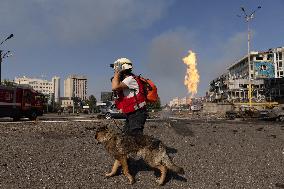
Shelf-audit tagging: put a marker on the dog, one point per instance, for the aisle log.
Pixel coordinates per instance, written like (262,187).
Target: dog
(151,150)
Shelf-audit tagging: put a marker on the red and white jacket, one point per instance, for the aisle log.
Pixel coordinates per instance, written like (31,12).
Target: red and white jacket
(131,104)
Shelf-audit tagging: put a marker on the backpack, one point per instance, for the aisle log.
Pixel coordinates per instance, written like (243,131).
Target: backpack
(150,89)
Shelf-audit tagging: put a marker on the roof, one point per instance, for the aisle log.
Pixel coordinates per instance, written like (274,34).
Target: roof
(243,58)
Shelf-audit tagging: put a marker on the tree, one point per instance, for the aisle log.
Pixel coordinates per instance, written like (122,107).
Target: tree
(8,83)
(56,107)
(92,102)
(47,108)
(155,105)
(76,103)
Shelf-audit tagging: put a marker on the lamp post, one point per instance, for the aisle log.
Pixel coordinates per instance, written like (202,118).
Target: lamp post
(4,55)
(248,18)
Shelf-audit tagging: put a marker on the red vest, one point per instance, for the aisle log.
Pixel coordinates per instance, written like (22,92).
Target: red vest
(128,105)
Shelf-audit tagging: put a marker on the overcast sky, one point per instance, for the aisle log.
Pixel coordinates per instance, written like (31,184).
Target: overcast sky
(62,37)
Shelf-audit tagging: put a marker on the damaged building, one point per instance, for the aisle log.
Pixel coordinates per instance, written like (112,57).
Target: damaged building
(266,73)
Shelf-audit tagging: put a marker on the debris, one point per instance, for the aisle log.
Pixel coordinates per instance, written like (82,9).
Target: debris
(278,185)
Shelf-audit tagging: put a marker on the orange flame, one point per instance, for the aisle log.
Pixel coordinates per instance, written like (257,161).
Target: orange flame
(191,78)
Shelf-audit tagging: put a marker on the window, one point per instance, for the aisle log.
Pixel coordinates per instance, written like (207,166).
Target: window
(280,64)
(280,56)
(259,58)
(270,56)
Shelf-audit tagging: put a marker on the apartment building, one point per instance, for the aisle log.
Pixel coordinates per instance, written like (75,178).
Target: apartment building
(180,101)
(75,86)
(106,96)
(51,88)
(56,88)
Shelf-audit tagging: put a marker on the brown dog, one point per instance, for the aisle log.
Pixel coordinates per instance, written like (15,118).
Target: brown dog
(151,150)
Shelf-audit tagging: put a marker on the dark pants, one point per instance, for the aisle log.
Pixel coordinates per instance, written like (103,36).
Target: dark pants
(135,122)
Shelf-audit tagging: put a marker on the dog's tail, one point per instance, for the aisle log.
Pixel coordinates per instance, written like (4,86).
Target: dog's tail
(169,163)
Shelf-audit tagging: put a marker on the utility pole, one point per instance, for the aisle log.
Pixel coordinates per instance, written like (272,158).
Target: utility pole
(248,18)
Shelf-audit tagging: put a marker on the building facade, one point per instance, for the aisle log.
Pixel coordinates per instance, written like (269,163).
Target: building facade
(233,86)
(75,86)
(180,101)
(278,55)
(106,96)
(174,102)
(56,88)
(51,88)
(66,102)
(267,64)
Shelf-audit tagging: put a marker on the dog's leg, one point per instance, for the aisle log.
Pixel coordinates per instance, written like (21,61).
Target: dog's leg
(124,165)
(114,168)
(163,170)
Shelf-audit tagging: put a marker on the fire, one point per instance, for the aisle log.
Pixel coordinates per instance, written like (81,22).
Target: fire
(191,78)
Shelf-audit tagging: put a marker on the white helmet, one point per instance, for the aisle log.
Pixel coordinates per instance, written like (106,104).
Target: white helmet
(123,63)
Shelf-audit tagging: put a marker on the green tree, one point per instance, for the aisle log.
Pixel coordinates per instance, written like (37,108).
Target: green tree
(92,102)
(155,105)
(8,83)
(56,106)
(77,103)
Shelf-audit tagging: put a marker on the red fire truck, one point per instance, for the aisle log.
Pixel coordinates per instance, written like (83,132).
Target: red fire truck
(20,101)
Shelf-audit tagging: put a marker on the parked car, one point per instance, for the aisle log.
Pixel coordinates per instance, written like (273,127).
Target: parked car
(277,113)
(111,112)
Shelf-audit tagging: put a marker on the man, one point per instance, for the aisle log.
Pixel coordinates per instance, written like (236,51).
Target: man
(131,98)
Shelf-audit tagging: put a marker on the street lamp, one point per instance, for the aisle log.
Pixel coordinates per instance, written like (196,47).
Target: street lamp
(248,18)
(6,54)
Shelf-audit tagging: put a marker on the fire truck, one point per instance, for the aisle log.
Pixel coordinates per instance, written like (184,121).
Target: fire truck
(20,101)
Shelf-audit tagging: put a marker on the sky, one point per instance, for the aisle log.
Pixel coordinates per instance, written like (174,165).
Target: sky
(83,37)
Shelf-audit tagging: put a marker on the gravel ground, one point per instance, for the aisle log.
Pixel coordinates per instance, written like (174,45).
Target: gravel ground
(214,154)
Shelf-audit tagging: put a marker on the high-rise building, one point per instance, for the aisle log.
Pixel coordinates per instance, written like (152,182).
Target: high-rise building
(56,88)
(75,86)
(106,96)
(51,88)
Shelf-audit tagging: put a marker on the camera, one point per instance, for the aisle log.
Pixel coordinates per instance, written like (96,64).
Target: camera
(116,66)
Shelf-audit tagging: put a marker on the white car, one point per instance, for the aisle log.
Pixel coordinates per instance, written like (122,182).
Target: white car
(112,112)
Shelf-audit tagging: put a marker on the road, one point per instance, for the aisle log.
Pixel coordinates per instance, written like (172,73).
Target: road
(214,154)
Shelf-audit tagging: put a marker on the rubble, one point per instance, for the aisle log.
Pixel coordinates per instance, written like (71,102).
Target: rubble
(214,153)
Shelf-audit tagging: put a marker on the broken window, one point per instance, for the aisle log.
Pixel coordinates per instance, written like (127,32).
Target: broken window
(269,56)
(259,58)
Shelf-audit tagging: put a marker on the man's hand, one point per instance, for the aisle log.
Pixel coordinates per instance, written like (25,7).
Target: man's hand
(116,83)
